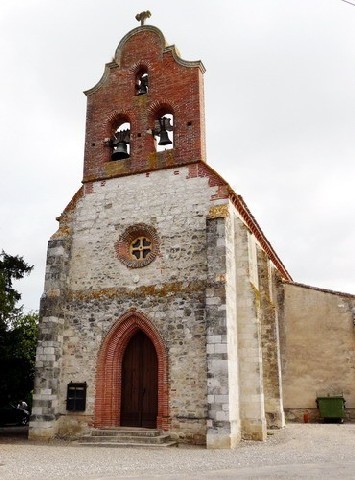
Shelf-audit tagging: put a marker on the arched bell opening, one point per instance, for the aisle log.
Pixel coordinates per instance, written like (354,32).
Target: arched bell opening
(120,141)
(163,129)
(142,81)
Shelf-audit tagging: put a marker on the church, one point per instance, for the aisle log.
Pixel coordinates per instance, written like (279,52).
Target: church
(165,307)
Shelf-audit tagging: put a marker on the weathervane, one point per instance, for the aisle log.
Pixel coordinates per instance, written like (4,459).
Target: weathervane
(141,17)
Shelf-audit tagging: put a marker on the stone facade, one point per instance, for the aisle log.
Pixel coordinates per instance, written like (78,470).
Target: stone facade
(158,243)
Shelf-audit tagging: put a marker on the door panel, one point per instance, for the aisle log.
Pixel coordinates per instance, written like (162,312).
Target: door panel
(139,401)
(130,385)
(149,385)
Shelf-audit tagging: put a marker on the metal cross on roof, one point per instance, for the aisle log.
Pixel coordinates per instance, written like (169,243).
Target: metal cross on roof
(141,17)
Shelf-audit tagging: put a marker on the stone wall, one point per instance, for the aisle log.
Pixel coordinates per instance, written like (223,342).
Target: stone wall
(170,291)
(318,349)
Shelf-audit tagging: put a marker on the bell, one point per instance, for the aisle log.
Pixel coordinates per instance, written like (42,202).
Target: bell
(142,90)
(164,138)
(142,87)
(120,151)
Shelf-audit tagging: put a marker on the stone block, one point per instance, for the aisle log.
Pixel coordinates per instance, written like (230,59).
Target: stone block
(221,399)
(221,348)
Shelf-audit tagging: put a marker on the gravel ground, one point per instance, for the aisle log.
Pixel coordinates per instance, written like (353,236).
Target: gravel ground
(309,451)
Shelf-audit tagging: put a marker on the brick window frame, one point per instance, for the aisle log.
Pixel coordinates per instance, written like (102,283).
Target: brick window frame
(132,233)
(109,370)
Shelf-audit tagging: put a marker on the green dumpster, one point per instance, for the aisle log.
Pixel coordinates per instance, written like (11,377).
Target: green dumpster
(331,407)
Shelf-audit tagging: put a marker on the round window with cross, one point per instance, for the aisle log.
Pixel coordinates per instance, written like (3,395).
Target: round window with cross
(138,245)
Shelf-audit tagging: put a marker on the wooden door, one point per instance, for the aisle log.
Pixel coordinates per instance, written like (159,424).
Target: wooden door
(139,400)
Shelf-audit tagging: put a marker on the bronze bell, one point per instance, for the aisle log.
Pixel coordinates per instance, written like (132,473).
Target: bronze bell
(120,151)
(164,138)
(142,90)
(142,87)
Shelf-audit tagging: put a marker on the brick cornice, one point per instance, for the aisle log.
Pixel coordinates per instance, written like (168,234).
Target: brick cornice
(136,31)
(185,63)
(247,217)
(108,67)
(165,49)
(254,227)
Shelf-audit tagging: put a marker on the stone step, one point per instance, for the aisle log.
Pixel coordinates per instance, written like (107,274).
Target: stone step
(171,443)
(126,437)
(139,432)
(158,439)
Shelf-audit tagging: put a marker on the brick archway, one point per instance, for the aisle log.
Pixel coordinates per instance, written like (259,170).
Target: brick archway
(109,370)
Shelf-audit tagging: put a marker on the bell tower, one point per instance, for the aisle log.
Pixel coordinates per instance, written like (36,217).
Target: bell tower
(147,111)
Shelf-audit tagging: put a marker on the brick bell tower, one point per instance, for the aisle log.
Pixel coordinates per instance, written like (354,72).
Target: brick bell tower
(146,112)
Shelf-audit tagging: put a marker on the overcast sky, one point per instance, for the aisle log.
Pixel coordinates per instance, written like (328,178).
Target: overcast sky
(280,113)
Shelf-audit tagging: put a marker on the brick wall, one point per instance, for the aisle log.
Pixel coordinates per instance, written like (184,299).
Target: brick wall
(175,86)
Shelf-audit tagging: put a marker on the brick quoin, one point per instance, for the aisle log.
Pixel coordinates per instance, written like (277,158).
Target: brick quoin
(109,370)
(214,179)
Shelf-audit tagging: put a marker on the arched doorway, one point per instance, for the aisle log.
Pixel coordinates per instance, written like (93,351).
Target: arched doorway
(139,392)
(109,371)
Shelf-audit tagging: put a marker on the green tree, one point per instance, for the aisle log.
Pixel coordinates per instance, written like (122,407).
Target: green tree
(11,268)
(18,333)
(17,353)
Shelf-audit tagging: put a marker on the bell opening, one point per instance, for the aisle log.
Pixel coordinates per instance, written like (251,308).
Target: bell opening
(164,135)
(142,83)
(121,142)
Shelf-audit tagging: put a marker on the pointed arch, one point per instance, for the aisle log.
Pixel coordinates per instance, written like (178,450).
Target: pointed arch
(109,370)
